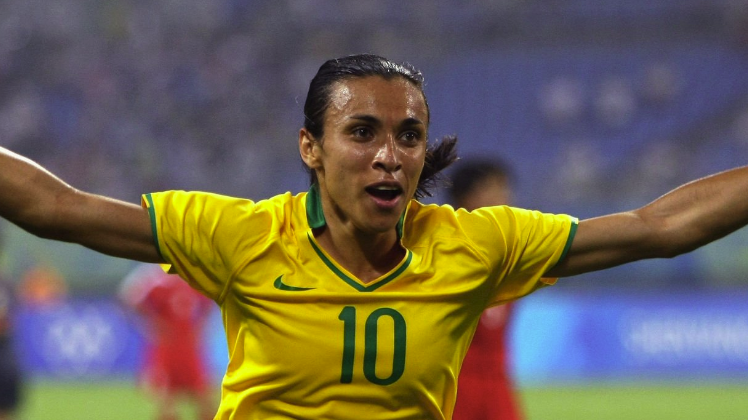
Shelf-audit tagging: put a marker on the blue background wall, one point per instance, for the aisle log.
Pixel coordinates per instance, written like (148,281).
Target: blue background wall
(556,337)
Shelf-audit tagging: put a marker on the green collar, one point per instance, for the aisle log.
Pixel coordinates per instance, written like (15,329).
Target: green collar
(316,218)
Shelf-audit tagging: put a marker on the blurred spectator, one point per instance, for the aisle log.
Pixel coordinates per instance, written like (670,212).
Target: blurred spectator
(19,117)
(42,286)
(740,127)
(173,316)
(736,20)
(562,101)
(579,173)
(660,165)
(662,84)
(615,103)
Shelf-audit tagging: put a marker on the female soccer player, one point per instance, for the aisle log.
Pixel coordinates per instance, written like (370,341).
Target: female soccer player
(354,300)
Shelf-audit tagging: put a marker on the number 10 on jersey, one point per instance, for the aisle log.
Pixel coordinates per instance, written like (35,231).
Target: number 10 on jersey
(371,343)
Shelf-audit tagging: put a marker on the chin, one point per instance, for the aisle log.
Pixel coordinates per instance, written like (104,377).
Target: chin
(380,225)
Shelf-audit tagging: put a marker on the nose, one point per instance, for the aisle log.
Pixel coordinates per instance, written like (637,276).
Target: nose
(387,156)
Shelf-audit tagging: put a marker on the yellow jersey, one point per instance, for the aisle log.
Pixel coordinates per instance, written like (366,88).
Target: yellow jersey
(308,340)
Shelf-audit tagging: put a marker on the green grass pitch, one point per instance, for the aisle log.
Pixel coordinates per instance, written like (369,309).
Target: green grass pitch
(640,401)
(99,400)
(121,400)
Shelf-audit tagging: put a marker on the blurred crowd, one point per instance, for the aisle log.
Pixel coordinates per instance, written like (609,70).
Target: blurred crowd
(129,96)
(126,97)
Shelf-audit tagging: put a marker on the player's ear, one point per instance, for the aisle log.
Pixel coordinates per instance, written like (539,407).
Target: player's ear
(309,149)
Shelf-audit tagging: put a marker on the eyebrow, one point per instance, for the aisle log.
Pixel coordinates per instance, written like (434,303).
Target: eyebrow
(366,118)
(408,122)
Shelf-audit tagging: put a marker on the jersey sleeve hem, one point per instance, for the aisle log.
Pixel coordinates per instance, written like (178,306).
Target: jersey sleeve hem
(550,281)
(147,202)
(569,240)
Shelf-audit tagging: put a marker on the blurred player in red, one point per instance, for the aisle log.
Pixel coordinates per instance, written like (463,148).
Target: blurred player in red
(485,390)
(11,378)
(174,315)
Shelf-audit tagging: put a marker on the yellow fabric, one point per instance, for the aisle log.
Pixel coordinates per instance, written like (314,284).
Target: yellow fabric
(307,340)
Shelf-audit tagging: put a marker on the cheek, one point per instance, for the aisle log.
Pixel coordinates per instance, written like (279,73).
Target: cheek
(357,156)
(416,160)
(342,163)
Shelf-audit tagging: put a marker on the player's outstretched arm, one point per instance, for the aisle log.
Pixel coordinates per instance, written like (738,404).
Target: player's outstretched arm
(680,221)
(40,203)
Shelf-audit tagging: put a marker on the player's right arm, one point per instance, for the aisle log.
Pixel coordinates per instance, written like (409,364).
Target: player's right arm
(42,204)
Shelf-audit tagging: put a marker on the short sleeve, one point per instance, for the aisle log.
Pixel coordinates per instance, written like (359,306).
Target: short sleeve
(522,245)
(196,234)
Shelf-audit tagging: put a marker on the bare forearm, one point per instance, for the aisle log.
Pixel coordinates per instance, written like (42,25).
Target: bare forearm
(699,212)
(680,221)
(27,191)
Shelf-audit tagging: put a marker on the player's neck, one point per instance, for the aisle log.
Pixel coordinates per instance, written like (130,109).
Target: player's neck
(367,257)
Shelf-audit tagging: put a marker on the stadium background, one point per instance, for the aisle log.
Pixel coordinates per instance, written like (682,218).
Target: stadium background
(600,105)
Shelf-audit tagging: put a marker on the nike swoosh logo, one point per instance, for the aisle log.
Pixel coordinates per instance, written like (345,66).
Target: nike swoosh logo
(283,286)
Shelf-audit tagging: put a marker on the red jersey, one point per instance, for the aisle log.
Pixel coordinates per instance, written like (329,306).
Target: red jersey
(484,389)
(174,315)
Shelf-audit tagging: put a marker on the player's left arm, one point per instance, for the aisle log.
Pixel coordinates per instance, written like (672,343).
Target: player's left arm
(682,220)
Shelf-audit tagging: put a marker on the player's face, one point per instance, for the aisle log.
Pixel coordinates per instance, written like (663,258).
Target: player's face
(372,152)
(490,191)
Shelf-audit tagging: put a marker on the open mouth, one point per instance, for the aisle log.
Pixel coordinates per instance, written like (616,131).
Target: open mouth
(385,192)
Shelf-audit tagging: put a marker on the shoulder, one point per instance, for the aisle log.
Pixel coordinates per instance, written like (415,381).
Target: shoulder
(283,202)
(424,222)
(428,220)
(447,217)
(508,217)
(179,198)
(206,202)
(419,214)
(465,236)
